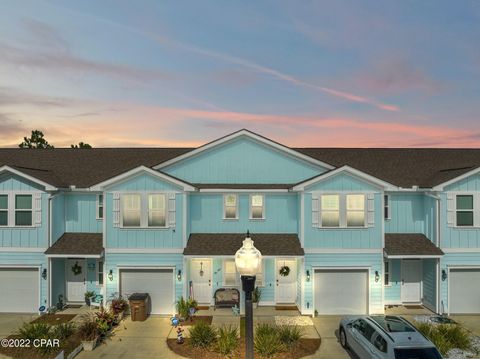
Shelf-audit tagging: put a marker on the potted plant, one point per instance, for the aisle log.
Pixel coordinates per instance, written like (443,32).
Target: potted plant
(192,305)
(256,294)
(105,320)
(119,306)
(88,297)
(88,332)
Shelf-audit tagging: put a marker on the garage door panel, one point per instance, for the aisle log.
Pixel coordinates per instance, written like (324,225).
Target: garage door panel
(341,292)
(158,283)
(464,288)
(19,290)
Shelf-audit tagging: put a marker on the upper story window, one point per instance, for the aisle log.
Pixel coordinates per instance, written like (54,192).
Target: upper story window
(3,210)
(23,210)
(131,210)
(330,210)
(346,210)
(257,206)
(230,206)
(465,209)
(355,210)
(386,207)
(99,206)
(20,209)
(157,210)
(142,210)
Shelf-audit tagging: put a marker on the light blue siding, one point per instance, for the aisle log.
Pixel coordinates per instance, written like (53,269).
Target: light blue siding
(144,182)
(370,237)
(206,214)
(372,261)
(58,280)
(429,283)
(343,182)
(243,161)
(393,290)
(80,213)
(58,216)
(471,183)
(10,182)
(407,212)
(430,217)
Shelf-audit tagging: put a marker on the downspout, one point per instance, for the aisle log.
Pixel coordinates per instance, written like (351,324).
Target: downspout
(437,243)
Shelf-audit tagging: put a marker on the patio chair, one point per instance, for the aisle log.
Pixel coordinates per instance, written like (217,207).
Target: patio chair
(96,301)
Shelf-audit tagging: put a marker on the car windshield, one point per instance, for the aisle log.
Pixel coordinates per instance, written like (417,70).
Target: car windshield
(417,353)
(392,324)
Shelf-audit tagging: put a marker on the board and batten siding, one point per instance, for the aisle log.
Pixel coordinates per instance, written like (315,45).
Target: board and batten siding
(81,213)
(58,216)
(25,237)
(407,213)
(393,291)
(206,214)
(373,261)
(243,160)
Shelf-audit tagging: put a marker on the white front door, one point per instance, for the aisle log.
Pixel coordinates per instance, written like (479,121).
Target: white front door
(201,277)
(412,281)
(76,279)
(286,288)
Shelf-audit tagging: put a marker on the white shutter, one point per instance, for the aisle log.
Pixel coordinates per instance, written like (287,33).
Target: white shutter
(116,209)
(171,209)
(450,209)
(315,210)
(370,209)
(37,200)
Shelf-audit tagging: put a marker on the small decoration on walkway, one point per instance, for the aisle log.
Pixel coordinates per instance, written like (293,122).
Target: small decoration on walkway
(174,321)
(236,310)
(180,339)
(284,271)
(76,269)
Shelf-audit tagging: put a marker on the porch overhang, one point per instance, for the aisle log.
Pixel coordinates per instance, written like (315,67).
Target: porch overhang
(410,246)
(226,244)
(77,245)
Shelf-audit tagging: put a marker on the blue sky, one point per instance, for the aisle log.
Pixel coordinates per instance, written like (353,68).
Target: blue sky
(309,73)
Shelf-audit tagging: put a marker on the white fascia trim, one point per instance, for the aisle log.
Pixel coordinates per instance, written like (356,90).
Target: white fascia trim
(48,187)
(74,255)
(461,250)
(143,250)
(126,175)
(393,302)
(356,173)
(251,135)
(413,256)
(248,190)
(442,186)
(342,250)
(22,249)
(193,256)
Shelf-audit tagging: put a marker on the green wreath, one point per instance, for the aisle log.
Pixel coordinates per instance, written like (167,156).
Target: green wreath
(76,269)
(284,271)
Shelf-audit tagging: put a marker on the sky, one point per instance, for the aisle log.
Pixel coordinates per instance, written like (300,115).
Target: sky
(337,73)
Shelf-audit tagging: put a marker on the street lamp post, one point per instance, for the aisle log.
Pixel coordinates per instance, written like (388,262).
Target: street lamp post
(248,260)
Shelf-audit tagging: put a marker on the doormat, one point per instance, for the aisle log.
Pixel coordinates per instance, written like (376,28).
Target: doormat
(413,306)
(74,306)
(286,307)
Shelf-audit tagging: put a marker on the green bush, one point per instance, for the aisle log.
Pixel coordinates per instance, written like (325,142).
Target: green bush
(445,336)
(267,340)
(202,335)
(35,330)
(289,336)
(227,340)
(62,331)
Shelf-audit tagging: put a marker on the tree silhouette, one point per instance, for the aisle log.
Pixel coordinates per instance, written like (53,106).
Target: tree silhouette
(81,145)
(36,140)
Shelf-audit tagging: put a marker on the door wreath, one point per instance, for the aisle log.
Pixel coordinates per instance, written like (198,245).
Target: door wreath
(284,271)
(76,269)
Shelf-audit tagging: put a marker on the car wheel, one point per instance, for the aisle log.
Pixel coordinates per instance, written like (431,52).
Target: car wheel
(343,338)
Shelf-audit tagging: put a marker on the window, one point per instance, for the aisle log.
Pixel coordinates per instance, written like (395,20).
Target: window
(465,210)
(355,210)
(100,273)
(131,210)
(99,206)
(379,342)
(157,210)
(259,281)
(3,210)
(230,206)
(330,210)
(364,328)
(257,207)
(386,273)
(23,210)
(230,277)
(386,206)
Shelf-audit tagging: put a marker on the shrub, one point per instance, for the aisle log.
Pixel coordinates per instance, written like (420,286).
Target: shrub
(445,336)
(289,336)
(89,294)
(105,320)
(119,305)
(88,329)
(227,340)
(35,330)
(202,335)
(62,331)
(267,340)
(182,308)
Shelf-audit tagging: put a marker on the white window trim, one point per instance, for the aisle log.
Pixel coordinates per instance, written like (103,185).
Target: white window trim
(251,207)
(225,207)
(98,271)
(144,210)
(387,206)
(12,210)
(343,210)
(100,204)
(387,263)
(475,209)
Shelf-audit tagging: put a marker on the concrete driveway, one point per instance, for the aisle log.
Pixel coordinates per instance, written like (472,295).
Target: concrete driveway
(136,340)
(9,323)
(327,327)
(470,322)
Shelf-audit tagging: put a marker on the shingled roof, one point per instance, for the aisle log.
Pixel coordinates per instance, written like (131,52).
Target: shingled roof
(410,245)
(77,244)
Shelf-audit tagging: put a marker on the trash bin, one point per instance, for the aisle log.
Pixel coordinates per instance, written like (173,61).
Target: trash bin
(138,306)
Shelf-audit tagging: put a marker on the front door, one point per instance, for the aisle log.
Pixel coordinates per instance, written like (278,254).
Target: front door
(76,275)
(201,277)
(411,281)
(286,289)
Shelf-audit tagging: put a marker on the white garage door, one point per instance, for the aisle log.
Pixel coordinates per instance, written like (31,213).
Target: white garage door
(19,290)
(341,291)
(158,283)
(464,288)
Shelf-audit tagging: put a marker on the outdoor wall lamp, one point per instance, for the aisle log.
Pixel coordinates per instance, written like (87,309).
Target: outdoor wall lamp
(179,275)
(444,275)
(377,276)
(110,275)
(44,273)
(308,276)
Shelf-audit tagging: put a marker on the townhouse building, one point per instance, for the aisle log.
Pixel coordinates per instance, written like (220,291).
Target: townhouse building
(354,229)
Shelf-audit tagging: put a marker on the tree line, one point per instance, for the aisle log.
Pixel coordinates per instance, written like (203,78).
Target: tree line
(37,140)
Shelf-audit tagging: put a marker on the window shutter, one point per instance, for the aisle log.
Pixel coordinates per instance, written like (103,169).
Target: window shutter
(37,199)
(450,209)
(171,209)
(116,209)
(370,209)
(315,210)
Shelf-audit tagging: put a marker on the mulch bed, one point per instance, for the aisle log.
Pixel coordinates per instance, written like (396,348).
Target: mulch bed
(305,347)
(54,319)
(198,318)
